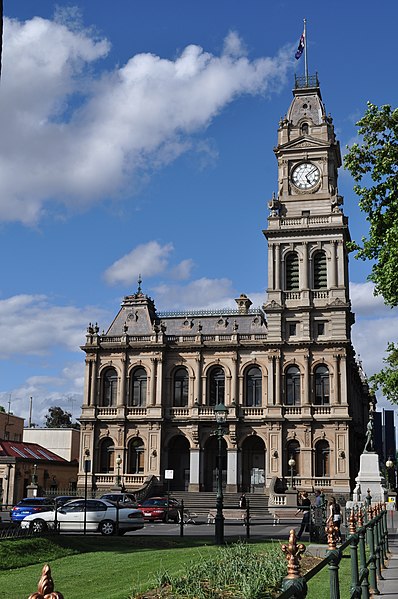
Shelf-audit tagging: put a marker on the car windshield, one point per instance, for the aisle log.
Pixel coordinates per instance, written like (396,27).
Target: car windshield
(155,502)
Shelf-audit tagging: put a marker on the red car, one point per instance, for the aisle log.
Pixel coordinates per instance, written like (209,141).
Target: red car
(160,508)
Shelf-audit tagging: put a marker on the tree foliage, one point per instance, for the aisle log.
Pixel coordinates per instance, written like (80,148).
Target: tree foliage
(387,379)
(57,418)
(374,167)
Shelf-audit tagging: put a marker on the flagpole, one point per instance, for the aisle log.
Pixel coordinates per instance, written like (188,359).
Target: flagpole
(305,52)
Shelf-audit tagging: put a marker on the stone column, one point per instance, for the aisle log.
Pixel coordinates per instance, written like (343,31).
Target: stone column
(277,267)
(271,395)
(336,399)
(340,265)
(194,469)
(121,397)
(306,381)
(152,384)
(271,269)
(278,395)
(234,382)
(232,470)
(198,377)
(333,265)
(343,379)
(305,284)
(159,382)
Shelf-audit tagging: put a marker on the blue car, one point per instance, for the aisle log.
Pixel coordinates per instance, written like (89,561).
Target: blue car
(31,505)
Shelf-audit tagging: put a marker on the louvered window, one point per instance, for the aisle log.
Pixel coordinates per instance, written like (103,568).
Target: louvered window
(320,272)
(292,272)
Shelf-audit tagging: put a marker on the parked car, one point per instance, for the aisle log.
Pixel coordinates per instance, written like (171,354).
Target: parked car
(121,499)
(101,516)
(31,505)
(60,500)
(160,508)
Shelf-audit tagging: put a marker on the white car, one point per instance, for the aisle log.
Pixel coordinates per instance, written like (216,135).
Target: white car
(101,516)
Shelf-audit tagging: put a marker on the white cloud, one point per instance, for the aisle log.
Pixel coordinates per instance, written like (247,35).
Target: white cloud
(366,304)
(201,293)
(77,138)
(32,325)
(183,270)
(148,259)
(63,389)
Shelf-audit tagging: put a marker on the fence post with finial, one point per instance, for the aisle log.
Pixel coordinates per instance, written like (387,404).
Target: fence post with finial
(293,552)
(334,554)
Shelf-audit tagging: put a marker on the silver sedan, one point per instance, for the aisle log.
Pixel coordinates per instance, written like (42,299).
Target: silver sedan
(98,515)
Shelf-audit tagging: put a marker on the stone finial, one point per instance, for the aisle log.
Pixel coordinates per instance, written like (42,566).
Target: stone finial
(45,587)
(293,552)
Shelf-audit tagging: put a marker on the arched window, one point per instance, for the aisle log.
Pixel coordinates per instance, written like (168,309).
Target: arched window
(304,129)
(292,272)
(321,386)
(106,456)
(138,388)
(135,458)
(322,462)
(293,451)
(180,391)
(253,386)
(320,271)
(292,386)
(216,386)
(109,387)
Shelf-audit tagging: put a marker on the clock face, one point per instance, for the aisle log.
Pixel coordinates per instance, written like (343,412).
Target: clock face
(306,175)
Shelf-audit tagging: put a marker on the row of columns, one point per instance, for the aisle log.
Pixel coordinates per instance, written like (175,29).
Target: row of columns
(273,382)
(336,276)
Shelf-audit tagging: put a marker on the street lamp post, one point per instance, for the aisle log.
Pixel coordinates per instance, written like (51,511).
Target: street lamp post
(87,466)
(220,412)
(389,466)
(118,462)
(292,463)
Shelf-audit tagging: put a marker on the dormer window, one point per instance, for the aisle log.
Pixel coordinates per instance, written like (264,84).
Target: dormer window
(304,129)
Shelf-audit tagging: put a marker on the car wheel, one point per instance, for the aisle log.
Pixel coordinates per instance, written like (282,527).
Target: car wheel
(107,527)
(38,526)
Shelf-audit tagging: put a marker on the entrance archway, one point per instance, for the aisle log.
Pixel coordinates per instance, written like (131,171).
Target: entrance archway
(253,464)
(178,461)
(211,464)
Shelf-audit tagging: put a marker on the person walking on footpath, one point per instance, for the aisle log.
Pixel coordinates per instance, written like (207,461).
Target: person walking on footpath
(305,509)
(335,516)
(242,501)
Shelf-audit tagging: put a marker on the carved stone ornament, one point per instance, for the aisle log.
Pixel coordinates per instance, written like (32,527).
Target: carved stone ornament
(45,587)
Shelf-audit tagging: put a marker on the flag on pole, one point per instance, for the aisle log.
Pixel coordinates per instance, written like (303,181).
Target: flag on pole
(301,46)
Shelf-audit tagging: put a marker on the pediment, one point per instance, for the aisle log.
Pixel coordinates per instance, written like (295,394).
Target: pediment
(304,143)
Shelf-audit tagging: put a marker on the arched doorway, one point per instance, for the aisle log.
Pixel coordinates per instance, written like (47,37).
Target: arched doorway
(253,464)
(210,472)
(178,461)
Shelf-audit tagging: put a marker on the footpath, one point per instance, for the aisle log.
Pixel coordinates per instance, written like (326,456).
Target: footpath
(388,587)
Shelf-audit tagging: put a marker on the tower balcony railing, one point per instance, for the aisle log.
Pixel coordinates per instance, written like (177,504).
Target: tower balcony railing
(301,81)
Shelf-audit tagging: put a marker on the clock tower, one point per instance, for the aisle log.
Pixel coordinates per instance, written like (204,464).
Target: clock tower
(308,307)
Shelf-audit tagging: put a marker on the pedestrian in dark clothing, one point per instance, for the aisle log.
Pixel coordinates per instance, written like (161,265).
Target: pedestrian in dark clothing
(242,501)
(305,509)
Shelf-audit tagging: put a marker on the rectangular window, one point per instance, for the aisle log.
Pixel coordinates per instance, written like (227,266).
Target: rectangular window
(320,328)
(292,329)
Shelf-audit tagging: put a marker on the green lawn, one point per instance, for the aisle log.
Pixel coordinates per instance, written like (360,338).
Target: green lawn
(112,568)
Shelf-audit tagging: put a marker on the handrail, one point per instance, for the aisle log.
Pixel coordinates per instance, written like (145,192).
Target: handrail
(364,572)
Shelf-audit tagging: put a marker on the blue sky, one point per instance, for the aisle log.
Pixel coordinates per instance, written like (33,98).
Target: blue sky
(137,137)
